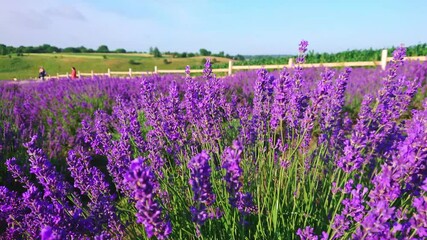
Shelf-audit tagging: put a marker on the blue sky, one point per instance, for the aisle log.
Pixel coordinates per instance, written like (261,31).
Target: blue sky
(233,26)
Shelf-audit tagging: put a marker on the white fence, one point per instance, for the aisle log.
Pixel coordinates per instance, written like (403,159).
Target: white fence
(231,68)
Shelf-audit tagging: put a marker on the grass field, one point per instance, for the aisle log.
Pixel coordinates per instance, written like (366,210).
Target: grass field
(24,67)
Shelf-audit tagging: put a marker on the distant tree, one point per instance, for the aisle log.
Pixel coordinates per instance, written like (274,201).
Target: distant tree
(221,54)
(191,55)
(204,52)
(151,50)
(103,49)
(183,55)
(82,49)
(71,50)
(20,52)
(239,57)
(156,53)
(3,49)
(46,48)
(120,50)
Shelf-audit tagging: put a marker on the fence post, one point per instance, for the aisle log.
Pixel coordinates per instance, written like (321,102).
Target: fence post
(383,59)
(109,73)
(230,67)
(91,73)
(155,69)
(130,72)
(290,62)
(68,76)
(57,75)
(78,74)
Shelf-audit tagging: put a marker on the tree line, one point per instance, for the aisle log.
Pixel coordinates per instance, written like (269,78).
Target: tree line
(312,57)
(344,56)
(202,52)
(47,48)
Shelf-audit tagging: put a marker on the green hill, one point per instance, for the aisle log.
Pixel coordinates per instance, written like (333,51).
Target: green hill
(26,66)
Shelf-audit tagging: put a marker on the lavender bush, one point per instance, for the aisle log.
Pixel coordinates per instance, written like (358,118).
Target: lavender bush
(291,154)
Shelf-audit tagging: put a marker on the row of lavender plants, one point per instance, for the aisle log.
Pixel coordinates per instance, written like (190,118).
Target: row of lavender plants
(257,155)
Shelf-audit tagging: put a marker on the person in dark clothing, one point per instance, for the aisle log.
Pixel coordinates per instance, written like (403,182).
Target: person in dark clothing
(42,73)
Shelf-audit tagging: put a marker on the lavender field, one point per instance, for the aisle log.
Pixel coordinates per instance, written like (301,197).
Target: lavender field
(293,154)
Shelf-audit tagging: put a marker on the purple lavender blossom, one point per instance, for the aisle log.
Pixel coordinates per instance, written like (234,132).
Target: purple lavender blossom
(331,120)
(307,234)
(12,210)
(353,211)
(282,87)
(231,163)
(263,100)
(199,181)
(187,70)
(207,71)
(101,204)
(17,171)
(323,90)
(418,221)
(302,49)
(377,131)
(47,233)
(403,174)
(143,183)
(53,183)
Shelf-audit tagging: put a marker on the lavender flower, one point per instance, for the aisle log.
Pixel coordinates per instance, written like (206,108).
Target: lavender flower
(403,174)
(207,71)
(302,49)
(331,123)
(12,212)
(101,203)
(17,171)
(418,220)
(353,211)
(377,131)
(262,101)
(231,163)
(307,234)
(142,182)
(47,233)
(203,197)
(187,70)
(53,183)
(282,86)
(323,91)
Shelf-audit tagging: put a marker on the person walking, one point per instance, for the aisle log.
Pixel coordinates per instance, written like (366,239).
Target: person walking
(73,73)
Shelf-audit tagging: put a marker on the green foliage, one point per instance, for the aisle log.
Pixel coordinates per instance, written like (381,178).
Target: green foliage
(103,49)
(156,53)
(120,50)
(133,62)
(204,52)
(345,56)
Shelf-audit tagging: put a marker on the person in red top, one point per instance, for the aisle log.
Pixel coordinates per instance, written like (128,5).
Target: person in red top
(73,73)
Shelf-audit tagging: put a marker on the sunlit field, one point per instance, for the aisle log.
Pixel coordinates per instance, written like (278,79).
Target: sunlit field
(311,153)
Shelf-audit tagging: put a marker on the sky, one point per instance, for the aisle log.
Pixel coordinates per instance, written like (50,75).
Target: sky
(234,26)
